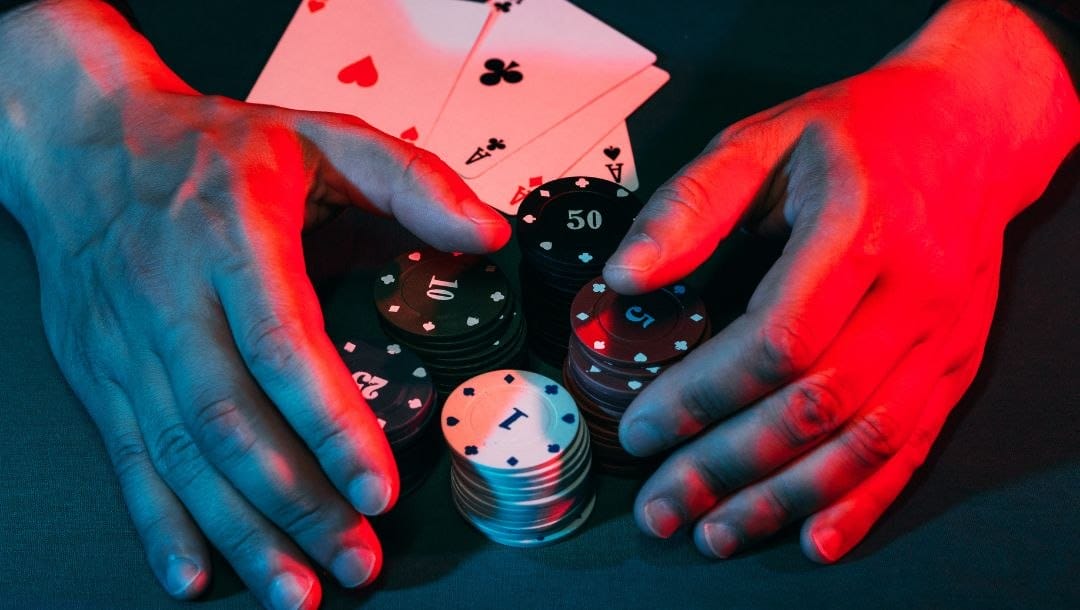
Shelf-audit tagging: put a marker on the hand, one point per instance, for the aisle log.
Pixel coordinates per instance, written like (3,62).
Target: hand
(167,229)
(893,188)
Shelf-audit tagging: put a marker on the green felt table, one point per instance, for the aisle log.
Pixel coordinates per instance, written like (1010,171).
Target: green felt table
(991,521)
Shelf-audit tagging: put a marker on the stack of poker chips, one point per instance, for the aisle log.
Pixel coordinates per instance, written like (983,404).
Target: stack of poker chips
(520,459)
(619,345)
(567,229)
(456,311)
(398,389)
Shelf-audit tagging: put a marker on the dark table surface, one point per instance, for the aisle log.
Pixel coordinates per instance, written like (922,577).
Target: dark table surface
(990,521)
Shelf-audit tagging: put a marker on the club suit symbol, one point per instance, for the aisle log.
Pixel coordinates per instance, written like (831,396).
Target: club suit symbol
(500,71)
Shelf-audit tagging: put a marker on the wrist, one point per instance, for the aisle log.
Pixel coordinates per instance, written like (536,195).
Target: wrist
(1001,91)
(69,70)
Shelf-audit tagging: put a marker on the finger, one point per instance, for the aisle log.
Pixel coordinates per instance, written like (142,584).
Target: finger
(834,531)
(276,323)
(785,424)
(705,199)
(375,170)
(269,563)
(858,451)
(242,435)
(825,474)
(174,546)
(829,263)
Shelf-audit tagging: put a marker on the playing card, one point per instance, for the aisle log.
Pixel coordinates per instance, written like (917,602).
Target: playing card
(538,63)
(554,152)
(389,62)
(612,158)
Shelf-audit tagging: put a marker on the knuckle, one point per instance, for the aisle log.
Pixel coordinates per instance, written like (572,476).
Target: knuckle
(219,423)
(874,438)
(783,350)
(731,135)
(416,165)
(684,194)
(297,516)
(177,457)
(811,411)
(422,159)
(922,440)
(270,346)
(702,403)
(128,454)
(962,368)
(243,542)
(773,507)
(332,435)
(718,476)
(749,131)
(160,525)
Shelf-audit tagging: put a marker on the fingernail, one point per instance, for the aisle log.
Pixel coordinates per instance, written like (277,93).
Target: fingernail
(828,541)
(637,253)
(353,567)
(289,591)
(642,438)
(720,539)
(479,212)
(662,518)
(181,575)
(369,494)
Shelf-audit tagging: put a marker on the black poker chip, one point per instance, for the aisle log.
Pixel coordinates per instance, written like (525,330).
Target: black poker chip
(643,330)
(400,391)
(395,383)
(457,311)
(438,295)
(575,222)
(567,230)
(619,344)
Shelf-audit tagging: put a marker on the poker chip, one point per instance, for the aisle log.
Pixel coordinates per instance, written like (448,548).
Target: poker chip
(457,311)
(520,457)
(399,389)
(567,229)
(619,344)
(571,223)
(638,330)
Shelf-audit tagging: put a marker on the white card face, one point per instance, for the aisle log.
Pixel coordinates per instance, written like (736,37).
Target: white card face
(612,158)
(389,62)
(538,63)
(552,154)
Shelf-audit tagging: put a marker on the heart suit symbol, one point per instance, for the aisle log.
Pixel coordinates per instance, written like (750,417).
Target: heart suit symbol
(363,73)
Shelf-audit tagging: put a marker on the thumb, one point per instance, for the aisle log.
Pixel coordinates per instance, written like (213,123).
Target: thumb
(685,219)
(366,167)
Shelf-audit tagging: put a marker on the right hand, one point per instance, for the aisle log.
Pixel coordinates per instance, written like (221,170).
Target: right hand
(892,189)
(167,227)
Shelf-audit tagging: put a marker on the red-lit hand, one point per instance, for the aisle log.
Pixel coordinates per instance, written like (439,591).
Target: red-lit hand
(166,227)
(894,188)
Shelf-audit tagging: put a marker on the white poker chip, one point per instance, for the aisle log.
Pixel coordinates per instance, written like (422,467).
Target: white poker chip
(517,490)
(510,420)
(521,462)
(532,513)
(531,497)
(563,528)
